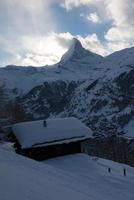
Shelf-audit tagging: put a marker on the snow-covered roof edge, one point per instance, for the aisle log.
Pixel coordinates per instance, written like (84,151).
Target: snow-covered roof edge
(57,131)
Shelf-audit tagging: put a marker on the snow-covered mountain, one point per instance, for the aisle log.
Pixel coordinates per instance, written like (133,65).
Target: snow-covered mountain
(106,100)
(97,90)
(76,64)
(123,57)
(77,54)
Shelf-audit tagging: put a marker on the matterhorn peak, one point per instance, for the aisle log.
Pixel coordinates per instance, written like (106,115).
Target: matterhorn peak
(76,43)
(75,51)
(78,54)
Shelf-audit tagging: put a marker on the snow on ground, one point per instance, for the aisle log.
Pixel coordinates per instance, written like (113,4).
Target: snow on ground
(129,129)
(74,177)
(24,179)
(94,179)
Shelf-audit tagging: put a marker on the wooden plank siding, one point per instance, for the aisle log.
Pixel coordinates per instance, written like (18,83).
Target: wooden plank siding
(42,153)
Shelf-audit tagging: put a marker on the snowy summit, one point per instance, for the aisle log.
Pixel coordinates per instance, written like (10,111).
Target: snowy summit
(76,52)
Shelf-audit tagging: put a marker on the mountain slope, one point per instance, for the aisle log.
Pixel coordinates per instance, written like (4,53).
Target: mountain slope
(42,91)
(69,177)
(97,90)
(74,65)
(123,57)
(106,102)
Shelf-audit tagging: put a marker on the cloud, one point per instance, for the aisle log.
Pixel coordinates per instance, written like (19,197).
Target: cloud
(47,49)
(69,4)
(92,43)
(37,50)
(92,17)
(51,48)
(119,14)
(25,17)
(120,35)
(29,34)
(22,21)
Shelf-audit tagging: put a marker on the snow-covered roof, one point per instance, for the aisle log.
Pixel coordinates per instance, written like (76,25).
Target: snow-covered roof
(56,131)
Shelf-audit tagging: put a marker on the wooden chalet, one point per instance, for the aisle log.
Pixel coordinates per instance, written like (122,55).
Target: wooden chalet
(45,139)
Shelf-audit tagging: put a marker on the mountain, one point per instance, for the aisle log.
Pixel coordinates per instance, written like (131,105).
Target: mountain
(76,65)
(47,89)
(77,54)
(106,101)
(97,90)
(123,57)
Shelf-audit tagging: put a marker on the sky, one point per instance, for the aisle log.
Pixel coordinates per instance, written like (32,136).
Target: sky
(39,32)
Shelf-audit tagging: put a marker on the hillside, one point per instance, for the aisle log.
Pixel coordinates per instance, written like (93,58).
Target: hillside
(70,177)
(105,102)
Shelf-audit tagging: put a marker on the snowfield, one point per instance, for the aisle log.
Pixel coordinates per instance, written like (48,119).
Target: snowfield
(74,177)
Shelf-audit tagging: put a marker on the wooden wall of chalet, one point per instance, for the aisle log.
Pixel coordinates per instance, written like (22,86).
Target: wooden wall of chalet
(42,153)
